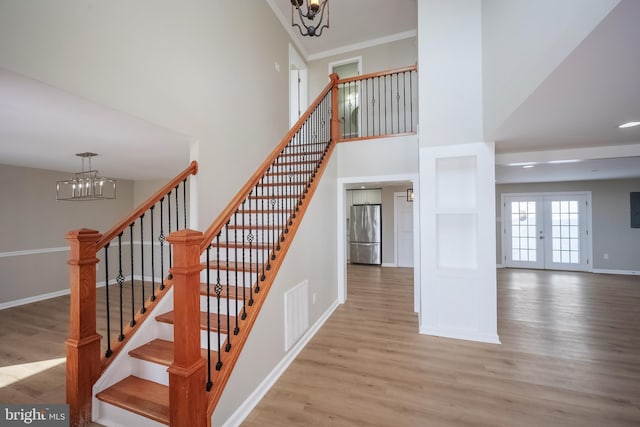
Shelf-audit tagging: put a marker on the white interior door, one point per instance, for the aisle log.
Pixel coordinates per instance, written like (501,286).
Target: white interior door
(547,231)
(404,230)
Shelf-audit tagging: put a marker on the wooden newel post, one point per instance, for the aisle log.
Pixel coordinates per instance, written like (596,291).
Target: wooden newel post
(83,344)
(335,120)
(187,372)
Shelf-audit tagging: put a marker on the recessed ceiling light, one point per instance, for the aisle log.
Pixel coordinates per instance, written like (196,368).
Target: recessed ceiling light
(522,164)
(553,162)
(629,125)
(528,166)
(362,187)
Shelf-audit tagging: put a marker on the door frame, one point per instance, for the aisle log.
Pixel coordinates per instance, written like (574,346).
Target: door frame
(341,251)
(297,63)
(588,214)
(395,225)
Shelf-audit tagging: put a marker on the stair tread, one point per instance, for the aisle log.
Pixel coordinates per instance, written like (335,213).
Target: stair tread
(252,211)
(223,294)
(139,396)
(159,351)
(168,318)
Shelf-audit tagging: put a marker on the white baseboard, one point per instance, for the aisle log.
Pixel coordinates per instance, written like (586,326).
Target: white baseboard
(623,272)
(500,266)
(388,264)
(461,335)
(34,298)
(254,398)
(55,294)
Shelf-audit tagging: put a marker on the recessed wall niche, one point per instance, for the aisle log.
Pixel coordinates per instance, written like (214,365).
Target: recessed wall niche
(458,173)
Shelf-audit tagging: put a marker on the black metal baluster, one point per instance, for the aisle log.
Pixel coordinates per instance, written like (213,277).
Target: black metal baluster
(120,280)
(250,238)
(209,382)
(184,200)
(385,105)
(404,100)
(153,260)
(398,99)
(162,238)
(244,282)
(411,97)
(228,346)
(262,229)
(169,231)
(177,209)
(235,258)
(379,106)
(133,302)
(143,309)
(218,289)
(108,353)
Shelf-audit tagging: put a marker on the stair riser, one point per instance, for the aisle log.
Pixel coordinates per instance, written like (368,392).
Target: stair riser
(112,416)
(149,371)
(213,301)
(233,254)
(165,332)
(242,279)
(257,218)
(284,203)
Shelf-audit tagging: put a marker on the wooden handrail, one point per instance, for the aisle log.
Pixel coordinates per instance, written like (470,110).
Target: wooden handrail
(378,74)
(192,169)
(224,216)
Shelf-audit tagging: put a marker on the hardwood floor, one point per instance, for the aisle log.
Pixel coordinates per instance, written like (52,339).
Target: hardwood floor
(570,356)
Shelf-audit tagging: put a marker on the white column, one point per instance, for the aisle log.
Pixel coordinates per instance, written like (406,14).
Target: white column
(457,178)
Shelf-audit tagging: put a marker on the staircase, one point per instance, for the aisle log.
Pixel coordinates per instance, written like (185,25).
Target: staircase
(171,363)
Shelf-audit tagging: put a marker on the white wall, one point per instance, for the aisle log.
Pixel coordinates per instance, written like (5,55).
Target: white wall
(34,224)
(450,72)
(401,53)
(523,41)
(194,67)
(378,157)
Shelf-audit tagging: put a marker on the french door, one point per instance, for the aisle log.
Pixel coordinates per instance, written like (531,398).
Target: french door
(548,231)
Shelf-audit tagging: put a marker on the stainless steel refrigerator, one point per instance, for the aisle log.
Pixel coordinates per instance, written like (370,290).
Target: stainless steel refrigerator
(365,234)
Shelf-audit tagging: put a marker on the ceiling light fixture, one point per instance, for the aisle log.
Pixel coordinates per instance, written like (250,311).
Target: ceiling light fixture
(86,185)
(629,125)
(558,162)
(314,9)
(521,164)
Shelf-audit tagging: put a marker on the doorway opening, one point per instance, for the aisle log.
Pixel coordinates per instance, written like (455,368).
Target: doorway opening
(348,96)
(389,187)
(298,86)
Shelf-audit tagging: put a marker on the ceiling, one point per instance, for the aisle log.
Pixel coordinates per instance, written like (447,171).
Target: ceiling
(578,106)
(352,24)
(44,127)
